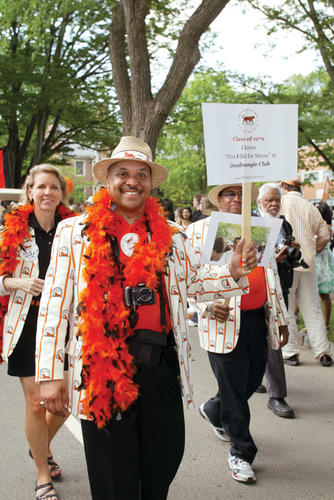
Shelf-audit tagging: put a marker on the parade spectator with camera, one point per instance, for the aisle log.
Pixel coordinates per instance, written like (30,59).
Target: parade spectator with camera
(286,258)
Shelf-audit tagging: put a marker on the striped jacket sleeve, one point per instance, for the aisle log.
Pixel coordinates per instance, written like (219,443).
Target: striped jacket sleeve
(56,301)
(282,314)
(204,286)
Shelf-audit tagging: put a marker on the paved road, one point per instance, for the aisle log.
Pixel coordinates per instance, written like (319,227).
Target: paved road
(295,459)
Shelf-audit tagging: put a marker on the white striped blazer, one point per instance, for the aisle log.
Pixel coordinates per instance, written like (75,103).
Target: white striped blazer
(19,301)
(222,337)
(64,282)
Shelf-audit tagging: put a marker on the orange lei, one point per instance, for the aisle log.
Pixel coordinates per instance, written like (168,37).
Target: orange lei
(15,233)
(107,367)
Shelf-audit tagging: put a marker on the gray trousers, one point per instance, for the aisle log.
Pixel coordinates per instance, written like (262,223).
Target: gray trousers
(275,374)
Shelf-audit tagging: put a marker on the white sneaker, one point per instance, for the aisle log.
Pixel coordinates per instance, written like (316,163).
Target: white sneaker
(241,470)
(219,431)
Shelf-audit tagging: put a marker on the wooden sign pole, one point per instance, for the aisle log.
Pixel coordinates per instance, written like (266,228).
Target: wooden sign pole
(246,218)
(246,212)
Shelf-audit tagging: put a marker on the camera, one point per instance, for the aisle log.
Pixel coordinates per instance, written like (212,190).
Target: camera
(293,254)
(138,295)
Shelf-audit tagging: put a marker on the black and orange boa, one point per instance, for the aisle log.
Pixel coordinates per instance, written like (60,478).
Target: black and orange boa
(108,368)
(14,234)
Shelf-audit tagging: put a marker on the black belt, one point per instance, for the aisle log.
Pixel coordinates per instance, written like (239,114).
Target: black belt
(255,312)
(35,302)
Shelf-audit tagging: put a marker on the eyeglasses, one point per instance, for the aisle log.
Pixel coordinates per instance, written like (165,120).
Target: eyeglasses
(232,194)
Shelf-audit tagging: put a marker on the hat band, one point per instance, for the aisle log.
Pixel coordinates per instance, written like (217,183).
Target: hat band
(131,154)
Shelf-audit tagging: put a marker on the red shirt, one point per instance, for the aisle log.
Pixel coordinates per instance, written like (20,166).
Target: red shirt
(257,295)
(148,315)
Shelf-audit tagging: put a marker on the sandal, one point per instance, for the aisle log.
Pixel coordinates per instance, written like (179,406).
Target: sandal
(46,494)
(55,470)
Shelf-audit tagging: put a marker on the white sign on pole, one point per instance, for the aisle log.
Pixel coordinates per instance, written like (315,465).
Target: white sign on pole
(250,142)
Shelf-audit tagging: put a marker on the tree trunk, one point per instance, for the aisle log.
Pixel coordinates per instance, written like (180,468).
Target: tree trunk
(13,156)
(143,115)
(40,136)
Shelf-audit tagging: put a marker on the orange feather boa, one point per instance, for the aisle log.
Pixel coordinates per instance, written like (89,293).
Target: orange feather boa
(108,368)
(15,233)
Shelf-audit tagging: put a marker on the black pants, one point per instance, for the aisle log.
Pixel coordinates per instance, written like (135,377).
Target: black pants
(238,374)
(137,457)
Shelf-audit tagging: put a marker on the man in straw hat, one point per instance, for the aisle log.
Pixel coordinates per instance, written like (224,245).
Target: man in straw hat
(122,275)
(235,338)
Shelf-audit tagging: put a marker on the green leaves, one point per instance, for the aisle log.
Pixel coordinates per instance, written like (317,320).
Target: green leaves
(55,83)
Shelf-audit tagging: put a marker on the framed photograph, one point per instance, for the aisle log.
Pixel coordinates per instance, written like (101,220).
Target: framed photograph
(224,233)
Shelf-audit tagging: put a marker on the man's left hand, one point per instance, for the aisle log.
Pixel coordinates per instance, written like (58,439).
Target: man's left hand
(282,255)
(284,335)
(241,266)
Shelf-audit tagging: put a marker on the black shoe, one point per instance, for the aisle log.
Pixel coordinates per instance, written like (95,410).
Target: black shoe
(326,360)
(280,408)
(261,389)
(292,361)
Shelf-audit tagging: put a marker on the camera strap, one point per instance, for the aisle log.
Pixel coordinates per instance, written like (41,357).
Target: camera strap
(115,253)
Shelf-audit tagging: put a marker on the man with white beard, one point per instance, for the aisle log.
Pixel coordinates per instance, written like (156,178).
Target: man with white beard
(269,203)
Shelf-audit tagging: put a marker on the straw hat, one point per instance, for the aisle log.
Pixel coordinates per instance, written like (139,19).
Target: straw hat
(133,149)
(213,194)
(294,182)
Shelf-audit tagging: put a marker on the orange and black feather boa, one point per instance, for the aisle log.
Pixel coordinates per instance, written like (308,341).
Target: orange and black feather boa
(107,367)
(15,232)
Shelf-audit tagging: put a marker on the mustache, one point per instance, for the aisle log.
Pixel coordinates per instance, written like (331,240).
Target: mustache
(134,190)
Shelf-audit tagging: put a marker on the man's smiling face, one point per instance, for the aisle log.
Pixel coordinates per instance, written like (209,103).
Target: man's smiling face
(129,185)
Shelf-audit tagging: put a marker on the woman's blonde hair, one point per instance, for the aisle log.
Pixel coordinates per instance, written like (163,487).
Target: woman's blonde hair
(43,168)
(207,206)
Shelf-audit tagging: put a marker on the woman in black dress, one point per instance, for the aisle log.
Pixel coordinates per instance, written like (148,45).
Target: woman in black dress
(25,250)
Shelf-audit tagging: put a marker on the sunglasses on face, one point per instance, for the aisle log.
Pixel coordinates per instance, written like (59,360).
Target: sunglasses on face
(232,194)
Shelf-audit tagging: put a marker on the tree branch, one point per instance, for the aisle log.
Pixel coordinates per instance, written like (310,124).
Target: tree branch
(317,148)
(186,57)
(135,12)
(322,41)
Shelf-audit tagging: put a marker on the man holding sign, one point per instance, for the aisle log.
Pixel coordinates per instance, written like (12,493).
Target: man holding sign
(235,338)
(126,273)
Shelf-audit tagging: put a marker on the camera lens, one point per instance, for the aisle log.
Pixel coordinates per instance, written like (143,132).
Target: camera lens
(145,295)
(293,252)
